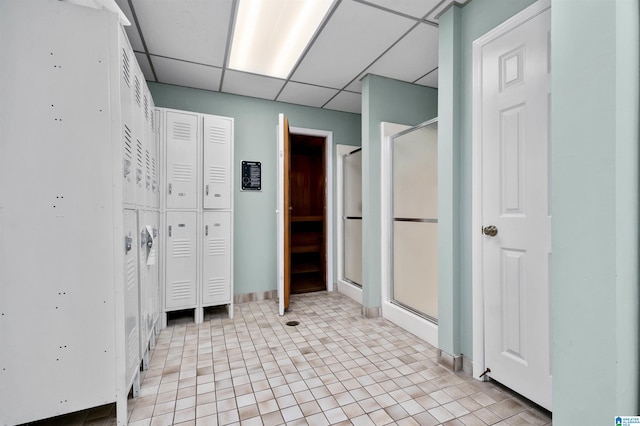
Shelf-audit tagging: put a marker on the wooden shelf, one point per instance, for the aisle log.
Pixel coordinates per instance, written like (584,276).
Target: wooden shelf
(305,268)
(306,218)
(306,248)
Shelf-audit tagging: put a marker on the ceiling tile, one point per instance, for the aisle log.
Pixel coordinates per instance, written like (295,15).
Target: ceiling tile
(143,61)
(305,94)
(132,30)
(346,101)
(353,38)
(191,30)
(413,56)
(253,85)
(415,8)
(430,80)
(186,73)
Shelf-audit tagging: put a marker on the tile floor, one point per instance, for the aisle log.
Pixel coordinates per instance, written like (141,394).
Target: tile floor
(335,367)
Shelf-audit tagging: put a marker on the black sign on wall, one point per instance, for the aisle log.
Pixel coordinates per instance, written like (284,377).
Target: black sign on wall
(251,176)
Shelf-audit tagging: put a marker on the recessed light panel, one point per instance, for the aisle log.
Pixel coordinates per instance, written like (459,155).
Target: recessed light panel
(270,35)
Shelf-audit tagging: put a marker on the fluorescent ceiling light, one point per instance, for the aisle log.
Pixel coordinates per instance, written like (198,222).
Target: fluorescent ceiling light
(270,35)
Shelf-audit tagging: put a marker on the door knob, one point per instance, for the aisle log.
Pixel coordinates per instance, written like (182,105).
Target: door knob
(490,230)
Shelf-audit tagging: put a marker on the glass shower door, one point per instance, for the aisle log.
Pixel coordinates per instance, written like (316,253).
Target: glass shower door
(414,276)
(352,217)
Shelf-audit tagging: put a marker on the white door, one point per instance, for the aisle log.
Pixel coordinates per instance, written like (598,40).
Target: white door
(131,294)
(216,266)
(515,210)
(217,162)
(181,273)
(182,153)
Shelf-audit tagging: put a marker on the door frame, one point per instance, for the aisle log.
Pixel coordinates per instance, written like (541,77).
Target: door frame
(328,182)
(476,222)
(328,136)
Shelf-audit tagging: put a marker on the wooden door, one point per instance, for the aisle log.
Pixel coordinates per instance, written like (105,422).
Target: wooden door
(284,214)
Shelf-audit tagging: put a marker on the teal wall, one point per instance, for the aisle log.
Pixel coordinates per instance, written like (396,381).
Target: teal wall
(459,27)
(256,140)
(595,185)
(595,210)
(392,101)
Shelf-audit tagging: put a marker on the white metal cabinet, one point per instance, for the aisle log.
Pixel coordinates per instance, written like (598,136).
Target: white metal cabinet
(69,322)
(181,261)
(217,164)
(181,138)
(216,263)
(129,146)
(140,149)
(131,289)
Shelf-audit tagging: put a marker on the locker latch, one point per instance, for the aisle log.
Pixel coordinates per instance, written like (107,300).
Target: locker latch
(169,230)
(127,167)
(127,244)
(206,230)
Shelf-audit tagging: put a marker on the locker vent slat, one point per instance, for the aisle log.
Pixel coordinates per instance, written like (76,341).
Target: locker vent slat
(217,174)
(139,153)
(132,273)
(181,172)
(217,135)
(128,149)
(146,108)
(147,164)
(138,90)
(153,122)
(126,68)
(217,286)
(181,248)
(133,346)
(182,131)
(180,290)
(217,247)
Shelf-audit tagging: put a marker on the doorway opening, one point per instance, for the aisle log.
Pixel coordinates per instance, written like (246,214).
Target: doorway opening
(308,213)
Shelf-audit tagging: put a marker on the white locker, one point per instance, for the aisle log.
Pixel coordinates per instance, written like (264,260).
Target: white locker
(155,154)
(181,261)
(146,259)
(66,106)
(126,60)
(156,296)
(131,292)
(217,162)
(141,157)
(181,138)
(216,264)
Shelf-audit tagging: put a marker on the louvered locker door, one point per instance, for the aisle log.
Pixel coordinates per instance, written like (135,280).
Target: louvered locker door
(129,182)
(155,158)
(180,282)
(144,277)
(216,268)
(138,135)
(182,153)
(131,292)
(156,296)
(217,162)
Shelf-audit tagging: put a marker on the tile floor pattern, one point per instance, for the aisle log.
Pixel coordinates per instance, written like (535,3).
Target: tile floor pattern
(335,367)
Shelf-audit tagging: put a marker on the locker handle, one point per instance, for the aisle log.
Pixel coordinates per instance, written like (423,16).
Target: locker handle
(169,230)
(127,244)
(207,191)
(206,230)
(170,188)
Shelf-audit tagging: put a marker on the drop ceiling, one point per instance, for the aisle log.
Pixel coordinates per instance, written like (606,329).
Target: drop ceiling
(187,43)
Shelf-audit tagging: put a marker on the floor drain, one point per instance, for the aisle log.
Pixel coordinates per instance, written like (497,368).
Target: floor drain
(292,323)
